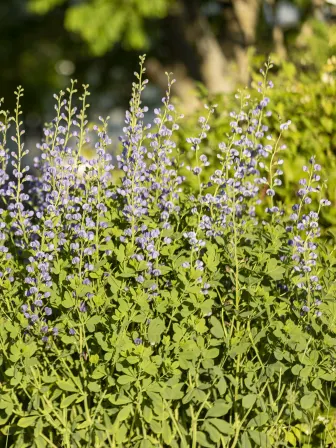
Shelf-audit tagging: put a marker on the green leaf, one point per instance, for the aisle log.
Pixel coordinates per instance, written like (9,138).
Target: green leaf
(49,379)
(156,427)
(147,414)
(317,384)
(307,401)
(94,386)
(202,439)
(214,434)
(327,123)
(67,386)
(125,412)
(92,322)
(260,438)
(84,424)
(166,432)
(67,401)
(125,379)
(24,422)
(40,442)
(120,253)
(249,400)
(217,328)
(306,371)
(259,420)
(120,400)
(218,409)
(274,270)
(211,353)
(155,330)
(245,440)
(222,386)
(296,369)
(222,425)
(146,443)
(290,438)
(69,301)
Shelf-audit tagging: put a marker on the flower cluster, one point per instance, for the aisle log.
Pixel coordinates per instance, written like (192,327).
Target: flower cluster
(62,220)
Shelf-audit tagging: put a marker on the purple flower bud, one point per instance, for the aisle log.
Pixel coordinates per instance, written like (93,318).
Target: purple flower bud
(82,307)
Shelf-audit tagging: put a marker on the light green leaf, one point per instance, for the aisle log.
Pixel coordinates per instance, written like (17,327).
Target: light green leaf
(24,422)
(307,401)
(260,438)
(202,440)
(274,270)
(218,409)
(67,386)
(222,425)
(67,401)
(92,322)
(155,330)
(125,379)
(94,386)
(249,400)
(125,412)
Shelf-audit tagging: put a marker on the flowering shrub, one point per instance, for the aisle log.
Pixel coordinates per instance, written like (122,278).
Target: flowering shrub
(307,98)
(140,313)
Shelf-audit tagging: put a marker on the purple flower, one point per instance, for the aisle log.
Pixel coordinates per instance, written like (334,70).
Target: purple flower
(48,311)
(72,331)
(284,126)
(140,279)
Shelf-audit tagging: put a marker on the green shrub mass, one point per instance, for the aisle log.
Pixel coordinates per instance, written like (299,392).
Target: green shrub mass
(188,301)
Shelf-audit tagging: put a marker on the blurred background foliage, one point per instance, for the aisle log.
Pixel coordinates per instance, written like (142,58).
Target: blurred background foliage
(213,47)
(204,42)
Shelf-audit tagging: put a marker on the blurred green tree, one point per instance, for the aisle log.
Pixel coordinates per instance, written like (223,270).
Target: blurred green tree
(199,40)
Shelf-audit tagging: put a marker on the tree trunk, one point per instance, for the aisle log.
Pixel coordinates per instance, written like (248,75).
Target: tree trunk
(213,65)
(193,53)
(279,42)
(241,19)
(190,41)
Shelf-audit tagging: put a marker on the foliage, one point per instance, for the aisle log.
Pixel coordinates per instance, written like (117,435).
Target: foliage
(103,23)
(140,313)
